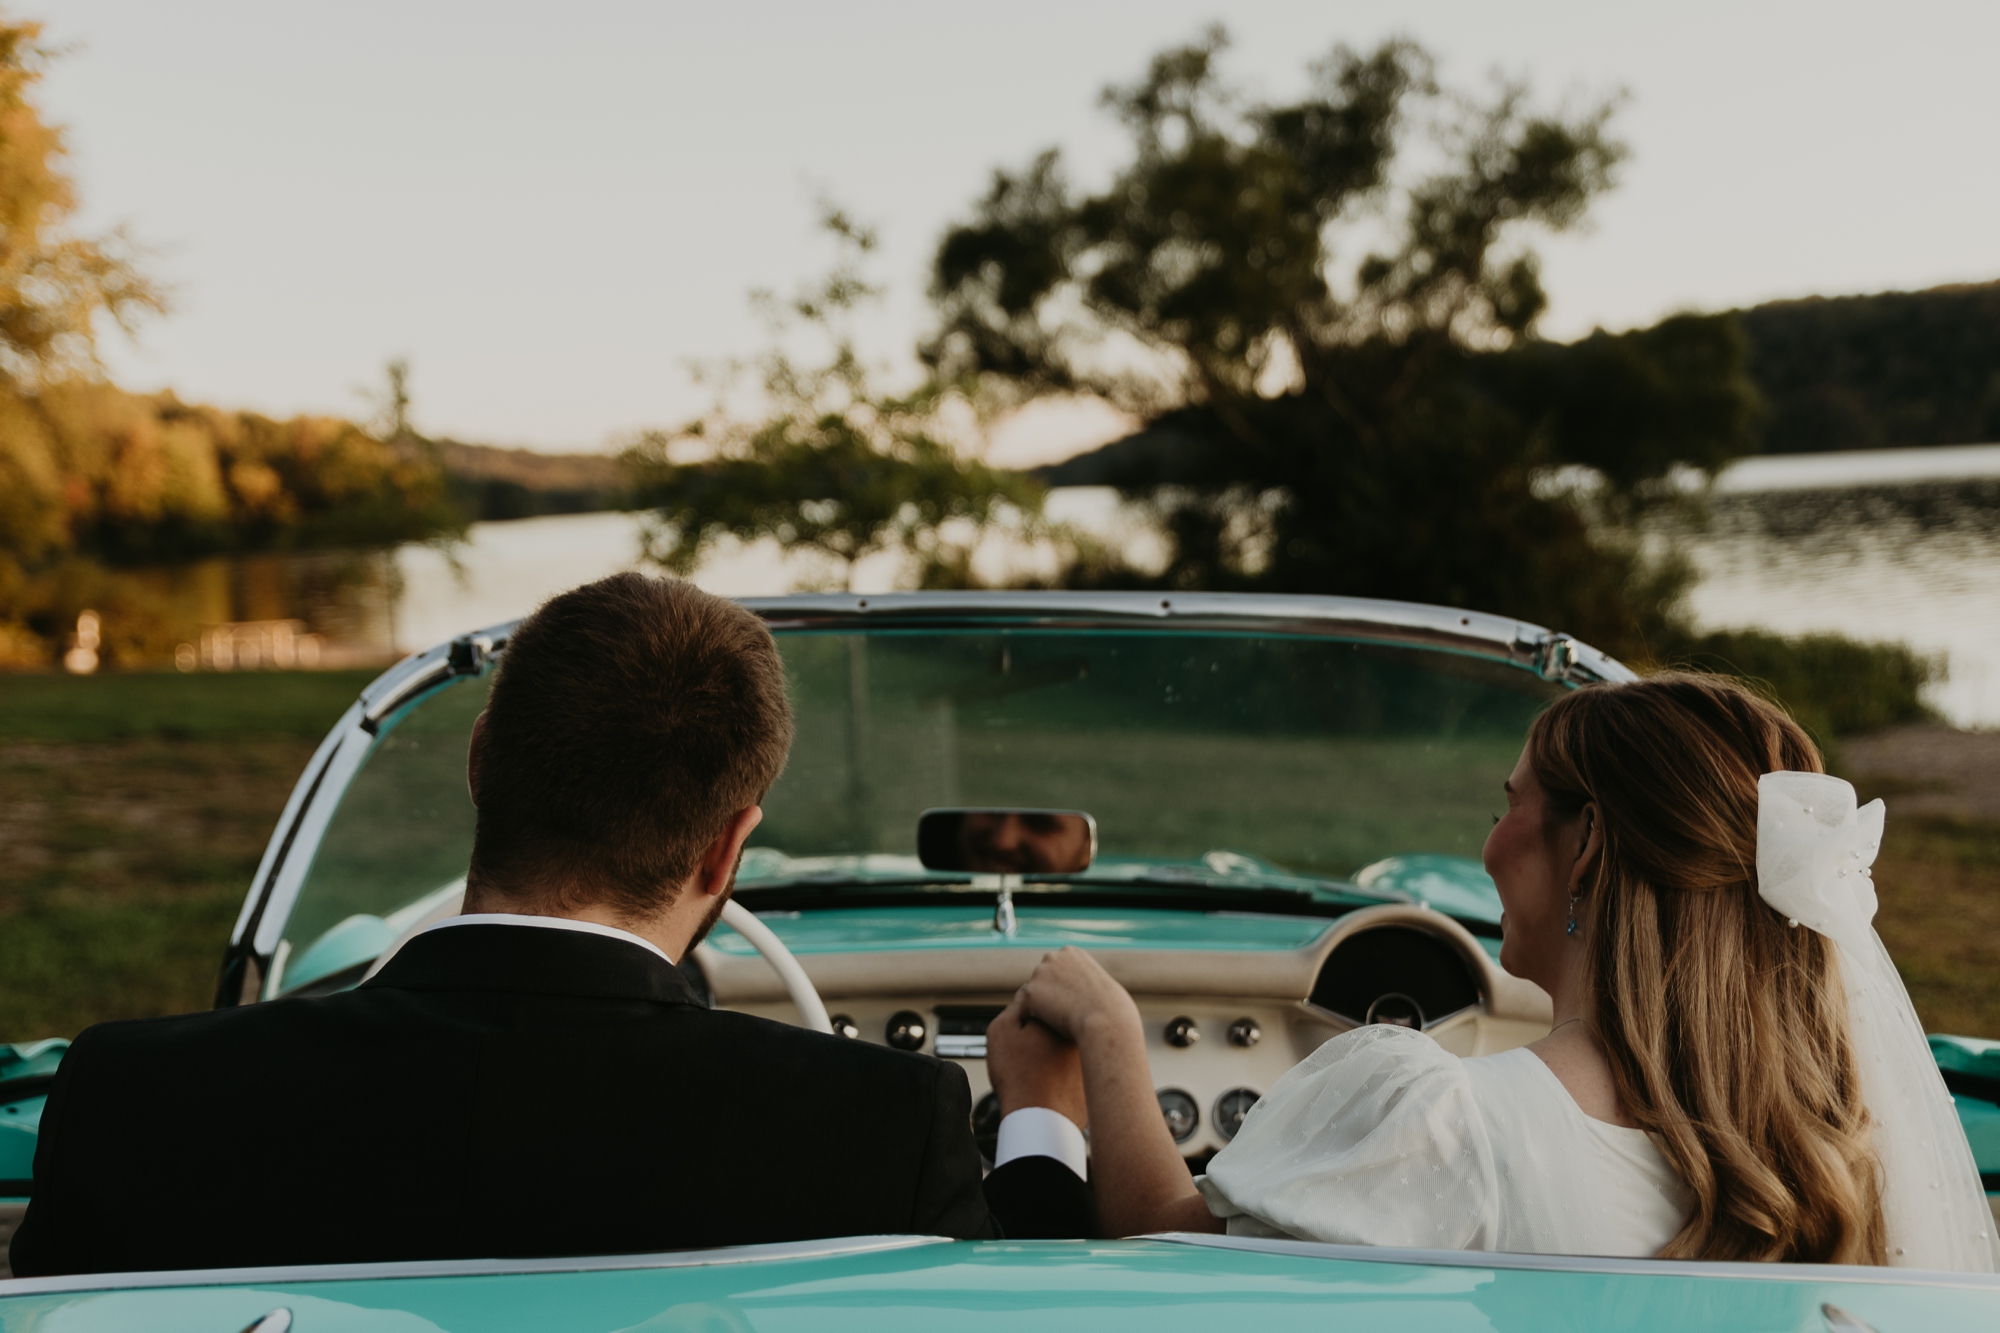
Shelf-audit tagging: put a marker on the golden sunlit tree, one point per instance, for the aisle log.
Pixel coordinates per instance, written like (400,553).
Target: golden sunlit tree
(54,286)
(54,283)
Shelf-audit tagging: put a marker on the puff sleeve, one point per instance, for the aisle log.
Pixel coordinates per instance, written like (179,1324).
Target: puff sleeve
(1373,1139)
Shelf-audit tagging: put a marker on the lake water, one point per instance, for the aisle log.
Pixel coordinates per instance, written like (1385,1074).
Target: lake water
(1901,545)
(1897,545)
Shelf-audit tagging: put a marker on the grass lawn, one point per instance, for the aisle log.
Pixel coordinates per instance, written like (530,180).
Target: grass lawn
(1939,884)
(133,810)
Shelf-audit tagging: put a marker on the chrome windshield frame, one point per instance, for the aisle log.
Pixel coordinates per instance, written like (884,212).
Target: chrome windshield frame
(1518,643)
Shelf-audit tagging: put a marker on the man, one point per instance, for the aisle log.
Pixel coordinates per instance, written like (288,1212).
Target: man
(535,1077)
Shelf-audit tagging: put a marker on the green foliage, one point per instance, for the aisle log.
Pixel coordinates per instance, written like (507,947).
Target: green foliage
(1389,432)
(1872,372)
(840,469)
(1834,686)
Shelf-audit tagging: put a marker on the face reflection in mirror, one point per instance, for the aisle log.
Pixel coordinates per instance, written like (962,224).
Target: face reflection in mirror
(1007,842)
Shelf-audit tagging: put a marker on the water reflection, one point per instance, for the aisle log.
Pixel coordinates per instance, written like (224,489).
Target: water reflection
(1848,551)
(273,609)
(1918,563)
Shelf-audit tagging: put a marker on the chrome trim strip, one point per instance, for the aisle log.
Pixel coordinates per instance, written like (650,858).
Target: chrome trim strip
(1524,644)
(1517,641)
(309,777)
(291,873)
(1586,1263)
(425,1268)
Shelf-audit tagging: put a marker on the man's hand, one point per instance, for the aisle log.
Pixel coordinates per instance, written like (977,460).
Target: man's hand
(1031,1066)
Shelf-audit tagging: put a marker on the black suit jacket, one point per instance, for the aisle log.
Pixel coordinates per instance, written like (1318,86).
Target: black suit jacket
(502,1091)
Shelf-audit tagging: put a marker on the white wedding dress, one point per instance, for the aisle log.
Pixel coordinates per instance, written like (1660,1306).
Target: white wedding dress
(1382,1137)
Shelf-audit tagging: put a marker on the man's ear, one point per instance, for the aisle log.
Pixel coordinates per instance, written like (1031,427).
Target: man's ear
(718,862)
(472,757)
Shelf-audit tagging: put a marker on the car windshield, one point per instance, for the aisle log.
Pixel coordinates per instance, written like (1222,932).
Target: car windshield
(1222,760)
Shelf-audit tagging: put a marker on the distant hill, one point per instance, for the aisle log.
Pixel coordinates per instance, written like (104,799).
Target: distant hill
(1893,370)
(488,483)
(1878,372)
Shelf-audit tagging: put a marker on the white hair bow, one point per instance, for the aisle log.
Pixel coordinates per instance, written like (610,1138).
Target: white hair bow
(1815,854)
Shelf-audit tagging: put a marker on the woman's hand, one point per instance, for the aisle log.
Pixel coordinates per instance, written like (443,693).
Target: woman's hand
(1031,1066)
(1076,998)
(1141,1181)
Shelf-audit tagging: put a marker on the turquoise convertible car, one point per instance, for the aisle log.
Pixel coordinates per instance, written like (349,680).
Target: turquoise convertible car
(1287,795)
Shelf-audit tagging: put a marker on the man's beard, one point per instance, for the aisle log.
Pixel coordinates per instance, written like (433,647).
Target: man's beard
(715,912)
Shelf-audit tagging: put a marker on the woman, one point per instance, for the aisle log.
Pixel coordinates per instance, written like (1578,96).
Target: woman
(1733,1072)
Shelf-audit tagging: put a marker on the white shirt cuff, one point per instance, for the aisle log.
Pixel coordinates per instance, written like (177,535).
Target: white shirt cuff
(1037,1131)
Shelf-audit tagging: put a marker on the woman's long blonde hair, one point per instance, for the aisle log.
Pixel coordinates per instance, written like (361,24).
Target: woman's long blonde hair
(1726,1026)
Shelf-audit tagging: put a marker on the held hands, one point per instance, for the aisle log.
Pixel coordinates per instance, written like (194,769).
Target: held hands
(1035,1048)
(1031,1066)
(1076,997)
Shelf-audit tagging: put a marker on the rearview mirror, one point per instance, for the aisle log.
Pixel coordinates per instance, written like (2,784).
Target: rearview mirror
(1007,842)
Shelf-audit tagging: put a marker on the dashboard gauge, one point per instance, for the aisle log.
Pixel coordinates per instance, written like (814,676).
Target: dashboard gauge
(906,1030)
(1182,1115)
(1395,974)
(1396,1010)
(1230,1108)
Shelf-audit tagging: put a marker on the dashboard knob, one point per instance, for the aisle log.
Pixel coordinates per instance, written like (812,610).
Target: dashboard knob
(1182,1032)
(906,1030)
(843,1026)
(1245,1032)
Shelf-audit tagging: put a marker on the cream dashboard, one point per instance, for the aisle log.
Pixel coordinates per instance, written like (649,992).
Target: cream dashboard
(1221,1025)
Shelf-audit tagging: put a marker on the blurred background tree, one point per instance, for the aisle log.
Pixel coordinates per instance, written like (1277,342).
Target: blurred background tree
(92,477)
(839,469)
(1335,357)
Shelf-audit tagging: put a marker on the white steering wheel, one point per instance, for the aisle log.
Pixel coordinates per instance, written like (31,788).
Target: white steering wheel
(734,915)
(745,923)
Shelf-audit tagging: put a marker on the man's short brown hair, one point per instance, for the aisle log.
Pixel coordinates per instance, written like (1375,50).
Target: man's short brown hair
(631,718)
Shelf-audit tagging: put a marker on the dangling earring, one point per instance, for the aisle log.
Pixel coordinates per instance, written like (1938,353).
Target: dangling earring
(1570,929)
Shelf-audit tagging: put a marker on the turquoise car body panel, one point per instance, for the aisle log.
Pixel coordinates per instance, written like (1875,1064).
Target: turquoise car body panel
(21,1117)
(1156,1285)
(1971,1055)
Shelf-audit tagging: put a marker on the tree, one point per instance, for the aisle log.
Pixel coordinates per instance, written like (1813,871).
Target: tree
(839,469)
(1394,430)
(53,284)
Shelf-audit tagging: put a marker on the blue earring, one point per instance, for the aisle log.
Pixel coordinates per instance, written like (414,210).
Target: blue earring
(1570,929)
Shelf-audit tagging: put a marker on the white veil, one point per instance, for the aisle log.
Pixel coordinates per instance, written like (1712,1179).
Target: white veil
(1814,853)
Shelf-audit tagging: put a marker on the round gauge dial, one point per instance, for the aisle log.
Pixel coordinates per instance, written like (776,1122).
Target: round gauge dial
(1182,1115)
(1230,1108)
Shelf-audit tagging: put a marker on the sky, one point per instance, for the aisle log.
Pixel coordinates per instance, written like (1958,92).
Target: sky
(551,209)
